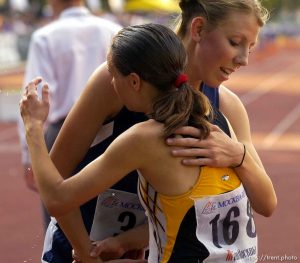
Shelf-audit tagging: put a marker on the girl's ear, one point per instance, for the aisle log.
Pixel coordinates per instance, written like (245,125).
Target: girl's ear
(135,81)
(197,28)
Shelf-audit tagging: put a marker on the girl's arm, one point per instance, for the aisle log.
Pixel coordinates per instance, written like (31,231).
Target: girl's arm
(34,126)
(131,243)
(252,173)
(59,195)
(96,103)
(219,150)
(74,140)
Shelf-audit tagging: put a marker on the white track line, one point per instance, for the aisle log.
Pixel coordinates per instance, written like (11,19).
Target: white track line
(6,148)
(266,86)
(8,133)
(282,127)
(270,83)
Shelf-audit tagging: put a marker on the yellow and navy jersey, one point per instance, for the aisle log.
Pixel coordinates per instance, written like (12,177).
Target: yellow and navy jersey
(172,220)
(117,125)
(58,246)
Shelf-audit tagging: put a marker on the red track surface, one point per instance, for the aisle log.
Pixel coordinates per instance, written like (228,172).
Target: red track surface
(270,91)
(270,88)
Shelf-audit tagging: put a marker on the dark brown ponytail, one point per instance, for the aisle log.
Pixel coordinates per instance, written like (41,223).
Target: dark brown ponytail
(155,53)
(180,107)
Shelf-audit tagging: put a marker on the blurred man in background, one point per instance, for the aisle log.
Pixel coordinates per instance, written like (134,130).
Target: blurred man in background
(64,53)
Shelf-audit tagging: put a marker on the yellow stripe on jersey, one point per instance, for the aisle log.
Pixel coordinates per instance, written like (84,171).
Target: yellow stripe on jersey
(212,181)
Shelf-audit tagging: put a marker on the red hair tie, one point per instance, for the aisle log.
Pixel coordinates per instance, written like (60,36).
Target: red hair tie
(181,78)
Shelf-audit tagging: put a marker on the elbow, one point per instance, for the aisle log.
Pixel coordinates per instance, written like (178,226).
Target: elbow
(269,209)
(267,212)
(56,207)
(55,210)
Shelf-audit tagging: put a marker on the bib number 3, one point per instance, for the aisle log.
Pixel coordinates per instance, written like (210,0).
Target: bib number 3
(116,212)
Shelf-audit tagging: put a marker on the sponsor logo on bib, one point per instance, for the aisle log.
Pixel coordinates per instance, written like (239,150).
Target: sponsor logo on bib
(114,201)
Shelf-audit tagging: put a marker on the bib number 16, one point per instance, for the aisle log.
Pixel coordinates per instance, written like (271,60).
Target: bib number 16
(230,226)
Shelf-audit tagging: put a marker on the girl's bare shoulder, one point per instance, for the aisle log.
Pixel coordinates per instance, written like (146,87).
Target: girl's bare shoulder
(139,142)
(230,103)
(147,130)
(143,138)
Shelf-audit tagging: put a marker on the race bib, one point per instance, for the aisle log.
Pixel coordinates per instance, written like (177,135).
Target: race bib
(116,211)
(226,227)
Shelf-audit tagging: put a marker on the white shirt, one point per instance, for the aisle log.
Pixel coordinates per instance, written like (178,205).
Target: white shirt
(65,53)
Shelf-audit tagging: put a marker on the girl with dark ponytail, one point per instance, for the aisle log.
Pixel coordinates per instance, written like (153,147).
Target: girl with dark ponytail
(180,106)
(194,213)
(217,36)
(159,59)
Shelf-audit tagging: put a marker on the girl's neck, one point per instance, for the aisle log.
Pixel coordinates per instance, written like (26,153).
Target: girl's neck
(193,80)
(193,77)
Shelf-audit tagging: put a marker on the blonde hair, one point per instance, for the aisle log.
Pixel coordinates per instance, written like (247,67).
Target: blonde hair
(217,11)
